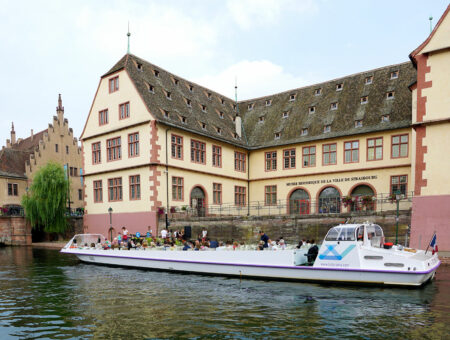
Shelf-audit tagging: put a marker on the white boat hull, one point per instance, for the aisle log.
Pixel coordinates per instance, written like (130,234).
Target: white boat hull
(263,265)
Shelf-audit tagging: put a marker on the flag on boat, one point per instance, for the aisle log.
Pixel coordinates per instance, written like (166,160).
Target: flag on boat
(433,244)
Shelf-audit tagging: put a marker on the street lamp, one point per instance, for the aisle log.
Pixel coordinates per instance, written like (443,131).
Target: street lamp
(110,210)
(398,197)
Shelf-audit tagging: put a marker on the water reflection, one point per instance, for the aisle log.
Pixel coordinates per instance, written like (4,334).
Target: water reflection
(45,295)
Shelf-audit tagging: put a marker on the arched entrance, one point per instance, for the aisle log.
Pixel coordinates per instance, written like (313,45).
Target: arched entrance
(363,198)
(299,202)
(329,201)
(198,201)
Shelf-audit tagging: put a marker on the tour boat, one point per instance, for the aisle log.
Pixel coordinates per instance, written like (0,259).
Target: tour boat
(350,253)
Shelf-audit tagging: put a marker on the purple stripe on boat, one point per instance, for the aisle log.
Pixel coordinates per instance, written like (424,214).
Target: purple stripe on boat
(264,265)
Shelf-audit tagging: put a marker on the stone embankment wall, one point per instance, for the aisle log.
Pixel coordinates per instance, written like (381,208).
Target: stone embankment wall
(292,228)
(14,231)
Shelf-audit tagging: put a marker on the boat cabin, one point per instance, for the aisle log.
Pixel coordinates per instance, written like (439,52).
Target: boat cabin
(369,234)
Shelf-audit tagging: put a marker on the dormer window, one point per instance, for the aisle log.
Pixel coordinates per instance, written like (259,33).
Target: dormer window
(203,126)
(235,136)
(277,135)
(156,73)
(169,95)
(312,109)
(175,81)
(364,100)
(204,108)
(326,128)
(188,102)
(268,102)
(384,118)
(285,114)
(318,92)
(339,86)
(221,115)
(222,101)
(394,75)
(151,88)
(209,95)
(358,123)
(261,119)
(304,132)
(234,107)
(139,67)
(368,80)
(292,97)
(334,106)
(191,88)
(166,114)
(183,119)
(390,95)
(219,130)
(250,106)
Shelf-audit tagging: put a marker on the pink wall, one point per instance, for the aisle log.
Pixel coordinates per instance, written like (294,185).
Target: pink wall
(430,214)
(134,222)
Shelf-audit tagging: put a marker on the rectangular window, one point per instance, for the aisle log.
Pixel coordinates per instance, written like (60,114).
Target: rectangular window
(309,156)
(133,144)
(217,156)
(135,187)
(115,189)
(271,160)
(198,152)
(103,117)
(399,184)
(289,159)
(368,80)
(67,149)
(80,194)
(71,171)
(351,152)
(329,154)
(239,196)
(217,193)
(114,84)
(75,172)
(374,149)
(239,161)
(399,146)
(270,194)
(56,148)
(113,149)
(98,191)
(177,188)
(124,110)
(177,147)
(96,153)
(13,189)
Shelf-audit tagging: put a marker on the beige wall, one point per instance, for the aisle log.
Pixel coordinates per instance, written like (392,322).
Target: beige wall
(441,38)
(7,199)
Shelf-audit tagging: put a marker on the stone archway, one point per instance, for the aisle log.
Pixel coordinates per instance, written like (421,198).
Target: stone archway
(198,201)
(299,202)
(362,195)
(329,201)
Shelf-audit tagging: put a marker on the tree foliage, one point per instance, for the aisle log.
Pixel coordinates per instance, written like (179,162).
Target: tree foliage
(45,204)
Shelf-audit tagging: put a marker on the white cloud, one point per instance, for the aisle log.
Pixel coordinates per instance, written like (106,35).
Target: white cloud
(254,78)
(249,13)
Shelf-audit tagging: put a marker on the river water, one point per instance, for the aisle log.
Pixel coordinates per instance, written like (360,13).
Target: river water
(45,294)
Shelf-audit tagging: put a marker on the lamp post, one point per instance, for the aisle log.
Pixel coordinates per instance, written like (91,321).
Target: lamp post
(110,210)
(397,198)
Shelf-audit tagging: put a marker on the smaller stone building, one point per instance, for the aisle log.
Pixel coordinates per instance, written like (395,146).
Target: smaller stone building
(21,158)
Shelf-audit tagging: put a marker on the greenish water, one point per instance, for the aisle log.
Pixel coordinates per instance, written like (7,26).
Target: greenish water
(45,294)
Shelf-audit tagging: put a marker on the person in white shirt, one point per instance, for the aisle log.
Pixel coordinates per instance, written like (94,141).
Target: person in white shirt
(163,233)
(204,233)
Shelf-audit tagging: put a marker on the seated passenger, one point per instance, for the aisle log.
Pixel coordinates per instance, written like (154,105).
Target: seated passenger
(312,254)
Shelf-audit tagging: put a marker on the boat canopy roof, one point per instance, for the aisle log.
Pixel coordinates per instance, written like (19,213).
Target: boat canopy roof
(350,232)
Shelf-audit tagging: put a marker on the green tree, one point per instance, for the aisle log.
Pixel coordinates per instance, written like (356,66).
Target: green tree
(45,203)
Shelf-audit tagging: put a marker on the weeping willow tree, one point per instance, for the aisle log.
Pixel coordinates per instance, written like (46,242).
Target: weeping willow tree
(45,204)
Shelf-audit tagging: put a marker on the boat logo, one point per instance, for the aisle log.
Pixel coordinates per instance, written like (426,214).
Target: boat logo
(336,255)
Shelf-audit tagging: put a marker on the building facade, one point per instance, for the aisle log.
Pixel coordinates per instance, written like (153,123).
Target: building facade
(21,158)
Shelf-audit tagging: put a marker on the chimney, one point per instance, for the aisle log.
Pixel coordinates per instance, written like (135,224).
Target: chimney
(13,134)
(31,134)
(238,124)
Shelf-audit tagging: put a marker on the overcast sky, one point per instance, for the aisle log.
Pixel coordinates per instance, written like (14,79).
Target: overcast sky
(51,47)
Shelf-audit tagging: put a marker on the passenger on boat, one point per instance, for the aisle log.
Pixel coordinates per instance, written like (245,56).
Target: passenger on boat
(163,233)
(260,245)
(313,251)
(264,238)
(282,244)
(125,234)
(204,233)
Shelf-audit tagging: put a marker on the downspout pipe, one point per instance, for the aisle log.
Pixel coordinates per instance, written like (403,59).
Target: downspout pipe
(167,179)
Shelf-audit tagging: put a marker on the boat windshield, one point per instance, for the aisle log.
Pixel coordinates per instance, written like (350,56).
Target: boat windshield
(341,233)
(85,240)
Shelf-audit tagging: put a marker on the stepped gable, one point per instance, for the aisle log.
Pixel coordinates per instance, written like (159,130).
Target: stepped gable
(29,144)
(342,120)
(12,162)
(199,110)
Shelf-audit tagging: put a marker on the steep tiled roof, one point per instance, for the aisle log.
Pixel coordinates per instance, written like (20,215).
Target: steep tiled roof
(12,162)
(178,102)
(29,144)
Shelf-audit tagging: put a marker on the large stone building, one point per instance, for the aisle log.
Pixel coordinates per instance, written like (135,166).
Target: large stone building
(21,158)
(153,140)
